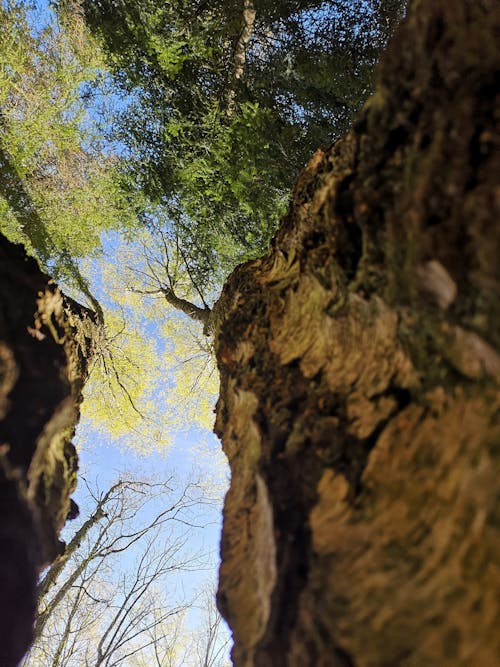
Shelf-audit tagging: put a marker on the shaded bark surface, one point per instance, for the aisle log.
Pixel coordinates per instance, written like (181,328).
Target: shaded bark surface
(43,362)
(359,404)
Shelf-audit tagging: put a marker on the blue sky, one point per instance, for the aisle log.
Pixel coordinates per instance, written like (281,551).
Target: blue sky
(102,462)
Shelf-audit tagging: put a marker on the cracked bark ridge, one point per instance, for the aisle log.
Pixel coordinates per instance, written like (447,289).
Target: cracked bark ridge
(43,361)
(359,362)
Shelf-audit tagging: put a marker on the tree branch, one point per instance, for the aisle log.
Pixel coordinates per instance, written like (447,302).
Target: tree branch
(188,308)
(53,573)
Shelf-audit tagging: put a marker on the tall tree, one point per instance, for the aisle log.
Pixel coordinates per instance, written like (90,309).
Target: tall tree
(109,599)
(360,370)
(59,186)
(226,101)
(145,340)
(43,366)
(360,363)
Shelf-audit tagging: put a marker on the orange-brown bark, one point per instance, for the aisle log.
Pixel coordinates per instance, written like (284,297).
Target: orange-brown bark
(360,364)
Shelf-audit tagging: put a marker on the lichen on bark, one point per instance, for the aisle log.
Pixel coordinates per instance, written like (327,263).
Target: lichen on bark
(359,367)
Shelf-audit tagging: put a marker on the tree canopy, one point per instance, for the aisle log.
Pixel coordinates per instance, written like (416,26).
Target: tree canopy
(226,102)
(190,117)
(59,188)
(181,125)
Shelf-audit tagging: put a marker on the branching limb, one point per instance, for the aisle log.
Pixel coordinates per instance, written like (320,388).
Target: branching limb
(187,307)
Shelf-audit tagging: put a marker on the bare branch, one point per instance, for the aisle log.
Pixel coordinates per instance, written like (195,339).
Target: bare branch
(55,570)
(188,308)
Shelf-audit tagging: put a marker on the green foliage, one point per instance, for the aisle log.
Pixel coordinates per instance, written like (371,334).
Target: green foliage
(219,121)
(212,112)
(153,375)
(58,188)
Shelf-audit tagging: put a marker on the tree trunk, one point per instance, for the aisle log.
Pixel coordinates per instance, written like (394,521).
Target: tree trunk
(359,363)
(45,341)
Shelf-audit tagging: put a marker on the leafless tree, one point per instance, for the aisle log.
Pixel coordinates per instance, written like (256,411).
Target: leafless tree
(212,641)
(109,599)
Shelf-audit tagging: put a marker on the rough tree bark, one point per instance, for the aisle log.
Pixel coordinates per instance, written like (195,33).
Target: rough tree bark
(359,363)
(45,340)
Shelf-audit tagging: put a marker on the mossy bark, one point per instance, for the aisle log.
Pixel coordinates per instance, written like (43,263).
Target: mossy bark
(45,340)
(359,362)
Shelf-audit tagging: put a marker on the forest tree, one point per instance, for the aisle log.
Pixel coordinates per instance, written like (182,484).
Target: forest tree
(359,362)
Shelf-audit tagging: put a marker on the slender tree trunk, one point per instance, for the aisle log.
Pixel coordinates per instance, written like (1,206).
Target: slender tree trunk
(53,573)
(240,53)
(359,365)
(97,551)
(66,634)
